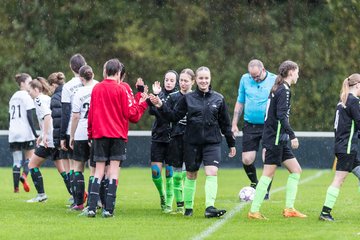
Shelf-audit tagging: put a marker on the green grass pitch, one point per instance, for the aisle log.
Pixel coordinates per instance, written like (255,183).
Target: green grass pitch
(138,214)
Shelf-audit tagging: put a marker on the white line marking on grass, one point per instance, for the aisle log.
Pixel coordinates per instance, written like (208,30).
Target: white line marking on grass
(214,227)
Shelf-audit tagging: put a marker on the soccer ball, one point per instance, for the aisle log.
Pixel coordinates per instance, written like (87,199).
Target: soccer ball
(247,194)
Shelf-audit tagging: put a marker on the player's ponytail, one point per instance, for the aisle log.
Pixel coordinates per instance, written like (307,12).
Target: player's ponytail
(350,81)
(86,72)
(284,69)
(41,84)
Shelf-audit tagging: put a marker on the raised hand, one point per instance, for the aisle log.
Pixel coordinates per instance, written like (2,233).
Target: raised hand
(156,88)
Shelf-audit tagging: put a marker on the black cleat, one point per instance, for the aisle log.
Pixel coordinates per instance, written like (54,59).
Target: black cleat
(267,196)
(188,212)
(326,217)
(253,185)
(211,212)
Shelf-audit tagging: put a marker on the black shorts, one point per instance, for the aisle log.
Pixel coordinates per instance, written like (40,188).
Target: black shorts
(346,162)
(176,153)
(81,151)
(92,163)
(208,154)
(106,149)
(160,152)
(43,152)
(58,154)
(22,146)
(278,154)
(252,134)
(69,152)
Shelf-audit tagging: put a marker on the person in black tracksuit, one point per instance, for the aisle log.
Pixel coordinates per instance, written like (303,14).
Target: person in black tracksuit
(346,126)
(276,135)
(56,81)
(207,118)
(186,80)
(160,139)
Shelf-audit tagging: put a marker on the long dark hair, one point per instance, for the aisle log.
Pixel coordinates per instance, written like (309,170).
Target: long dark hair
(283,73)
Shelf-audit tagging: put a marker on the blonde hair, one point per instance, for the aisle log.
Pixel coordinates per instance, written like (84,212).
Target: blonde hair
(189,72)
(350,81)
(41,84)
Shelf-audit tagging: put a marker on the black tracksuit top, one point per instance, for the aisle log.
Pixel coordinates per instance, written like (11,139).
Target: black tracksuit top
(277,129)
(207,117)
(177,128)
(161,128)
(346,125)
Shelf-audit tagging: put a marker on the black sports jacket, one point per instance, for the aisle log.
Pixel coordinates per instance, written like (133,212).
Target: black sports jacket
(55,106)
(207,117)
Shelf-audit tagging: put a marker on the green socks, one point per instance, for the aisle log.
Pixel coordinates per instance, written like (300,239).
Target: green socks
(169,191)
(261,190)
(331,196)
(291,189)
(189,193)
(210,190)
(178,186)
(159,185)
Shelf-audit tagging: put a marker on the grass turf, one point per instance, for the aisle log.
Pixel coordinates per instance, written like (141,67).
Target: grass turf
(138,214)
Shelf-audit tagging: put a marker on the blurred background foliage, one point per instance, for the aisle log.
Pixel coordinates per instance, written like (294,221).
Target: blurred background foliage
(150,37)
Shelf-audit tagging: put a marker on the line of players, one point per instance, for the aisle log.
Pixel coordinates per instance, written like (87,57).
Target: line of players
(185,134)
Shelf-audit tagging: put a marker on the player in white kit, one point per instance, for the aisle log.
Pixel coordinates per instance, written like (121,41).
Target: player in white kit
(79,136)
(67,95)
(22,132)
(45,145)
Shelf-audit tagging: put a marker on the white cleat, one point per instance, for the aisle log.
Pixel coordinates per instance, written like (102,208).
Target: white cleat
(39,198)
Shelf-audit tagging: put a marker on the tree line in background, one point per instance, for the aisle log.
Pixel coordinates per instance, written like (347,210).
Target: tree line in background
(150,37)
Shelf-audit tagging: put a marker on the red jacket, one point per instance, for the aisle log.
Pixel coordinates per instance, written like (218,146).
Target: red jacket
(136,110)
(111,108)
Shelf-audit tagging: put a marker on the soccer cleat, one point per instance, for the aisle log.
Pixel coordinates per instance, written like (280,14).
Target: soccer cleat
(253,185)
(292,212)
(326,217)
(77,207)
(256,215)
(267,196)
(16,190)
(168,209)
(25,184)
(39,198)
(178,210)
(106,214)
(211,212)
(85,196)
(188,212)
(87,213)
(162,202)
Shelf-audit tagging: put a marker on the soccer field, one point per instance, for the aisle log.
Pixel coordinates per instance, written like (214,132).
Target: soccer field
(138,214)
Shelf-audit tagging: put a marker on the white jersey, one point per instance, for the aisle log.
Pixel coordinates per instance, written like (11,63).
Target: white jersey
(67,94)
(19,127)
(81,104)
(42,106)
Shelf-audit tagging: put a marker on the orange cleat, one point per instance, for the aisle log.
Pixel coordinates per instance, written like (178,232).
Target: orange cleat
(256,215)
(85,196)
(25,184)
(292,212)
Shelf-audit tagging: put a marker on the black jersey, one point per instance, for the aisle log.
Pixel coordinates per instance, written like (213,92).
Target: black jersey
(161,128)
(346,125)
(177,128)
(277,130)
